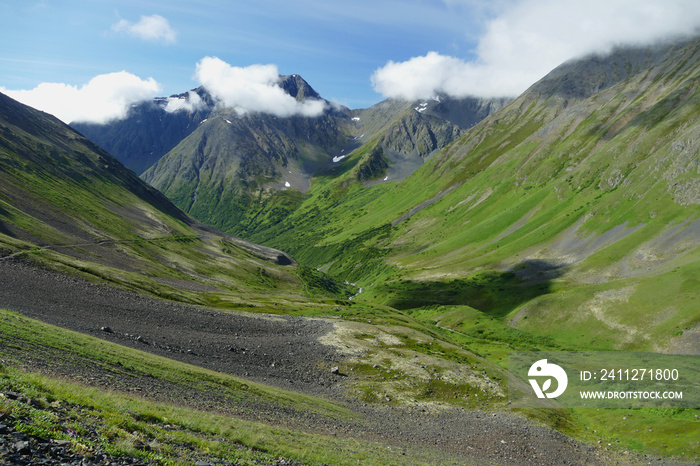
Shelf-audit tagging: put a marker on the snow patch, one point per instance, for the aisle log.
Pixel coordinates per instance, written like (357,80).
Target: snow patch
(355,118)
(227,121)
(386,177)
(203,121)
(286,184)
(339,158)
(422,107)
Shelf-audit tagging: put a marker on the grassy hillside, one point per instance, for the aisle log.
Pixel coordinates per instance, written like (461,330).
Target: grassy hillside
(66,204)
(577,205)
(189,414)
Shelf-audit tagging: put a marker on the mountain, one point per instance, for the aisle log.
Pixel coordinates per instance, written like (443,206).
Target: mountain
(298,88)
(231,162)
(408,132)
(232,170)
(151,129)
(572,213)
(67,204)
(236,172)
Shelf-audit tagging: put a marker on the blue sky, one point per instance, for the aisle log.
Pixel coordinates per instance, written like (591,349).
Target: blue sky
(354,52)
(334,45)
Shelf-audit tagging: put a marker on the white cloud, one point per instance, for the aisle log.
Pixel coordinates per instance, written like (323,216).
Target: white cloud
(252,89)
(190,103)
(106,97)
(154,28)
(528,38)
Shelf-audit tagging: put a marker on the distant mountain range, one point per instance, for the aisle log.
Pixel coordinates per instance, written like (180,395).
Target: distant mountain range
(222,167)
(153,128)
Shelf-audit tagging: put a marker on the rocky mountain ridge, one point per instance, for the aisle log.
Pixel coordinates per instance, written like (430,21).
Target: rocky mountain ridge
(223,167)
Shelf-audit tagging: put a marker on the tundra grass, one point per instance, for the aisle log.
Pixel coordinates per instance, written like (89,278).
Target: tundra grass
(175,435)
(170,435)
(626,314)
(653,431)
(649,431)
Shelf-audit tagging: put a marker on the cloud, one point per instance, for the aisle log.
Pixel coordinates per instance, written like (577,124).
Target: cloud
(252,89)
(106,97)
(528,38)
(191,103)
(423,77)
(153,28)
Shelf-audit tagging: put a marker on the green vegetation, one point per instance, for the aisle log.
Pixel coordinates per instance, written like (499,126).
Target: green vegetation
(165,433)
(573,225)
(663,432)
(568,220)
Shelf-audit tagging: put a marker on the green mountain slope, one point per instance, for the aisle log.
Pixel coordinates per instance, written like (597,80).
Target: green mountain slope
(571,213)
(67,204)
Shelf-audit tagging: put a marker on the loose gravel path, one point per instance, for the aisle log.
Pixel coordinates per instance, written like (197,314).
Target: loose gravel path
(282,351)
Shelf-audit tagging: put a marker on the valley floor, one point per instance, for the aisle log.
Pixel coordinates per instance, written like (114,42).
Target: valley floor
(281,351)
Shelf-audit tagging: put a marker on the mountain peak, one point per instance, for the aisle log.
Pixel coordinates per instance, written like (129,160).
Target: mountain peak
(297,87)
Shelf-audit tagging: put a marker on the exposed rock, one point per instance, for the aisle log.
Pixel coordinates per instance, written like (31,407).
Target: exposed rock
(686,193)
(22,447)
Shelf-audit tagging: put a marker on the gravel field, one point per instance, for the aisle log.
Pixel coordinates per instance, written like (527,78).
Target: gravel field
(281,351)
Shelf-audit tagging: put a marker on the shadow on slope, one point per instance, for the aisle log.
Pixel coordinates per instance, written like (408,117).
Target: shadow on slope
(3,228)
(494,293)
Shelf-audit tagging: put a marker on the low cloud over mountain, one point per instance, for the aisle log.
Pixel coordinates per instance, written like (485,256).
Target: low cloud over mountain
(104,98)
(252,88)
(528,38)
(108,97)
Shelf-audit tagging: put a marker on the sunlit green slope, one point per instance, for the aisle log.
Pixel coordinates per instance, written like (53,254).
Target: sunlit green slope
(574,212)
(67,204)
